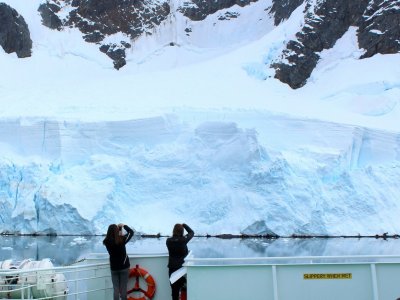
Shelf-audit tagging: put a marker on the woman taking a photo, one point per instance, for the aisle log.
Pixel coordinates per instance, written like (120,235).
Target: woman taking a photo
(177,249)
(115,243)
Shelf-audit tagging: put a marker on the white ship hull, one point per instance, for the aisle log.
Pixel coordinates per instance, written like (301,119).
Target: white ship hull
(301,278)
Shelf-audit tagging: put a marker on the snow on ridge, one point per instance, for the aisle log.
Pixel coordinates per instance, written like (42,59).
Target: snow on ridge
(78,82)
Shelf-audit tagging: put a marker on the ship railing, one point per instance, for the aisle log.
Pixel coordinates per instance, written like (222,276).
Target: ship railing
(75,282)
(307,277)
(191,260)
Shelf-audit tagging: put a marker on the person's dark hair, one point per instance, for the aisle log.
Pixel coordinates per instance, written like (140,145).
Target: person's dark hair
(113,235)
(178,230)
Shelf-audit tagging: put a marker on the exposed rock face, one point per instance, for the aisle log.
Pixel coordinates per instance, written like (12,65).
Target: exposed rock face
(106,17)
(49,15)
(117,54)
(198,10)
(380,30)
(97,19)
(282,9)
(14,32)
(326,22)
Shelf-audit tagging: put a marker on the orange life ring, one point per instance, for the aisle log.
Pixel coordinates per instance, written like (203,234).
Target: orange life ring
(151,284)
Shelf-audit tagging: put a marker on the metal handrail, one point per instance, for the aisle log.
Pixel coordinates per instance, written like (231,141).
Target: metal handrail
(190,260)
(74,278)
(64,269)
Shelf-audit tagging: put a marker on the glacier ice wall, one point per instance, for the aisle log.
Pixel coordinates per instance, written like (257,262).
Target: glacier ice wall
(219,171)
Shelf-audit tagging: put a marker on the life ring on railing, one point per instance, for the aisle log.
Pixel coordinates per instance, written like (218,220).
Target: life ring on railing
(151,284)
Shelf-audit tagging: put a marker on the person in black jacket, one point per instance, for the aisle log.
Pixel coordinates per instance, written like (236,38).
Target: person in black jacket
(119,261)
(177,249)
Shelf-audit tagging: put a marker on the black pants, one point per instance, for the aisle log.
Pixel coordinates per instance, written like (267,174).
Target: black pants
(177,285)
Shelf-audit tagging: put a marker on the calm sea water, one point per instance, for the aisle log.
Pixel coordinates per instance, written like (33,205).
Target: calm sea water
(64,250)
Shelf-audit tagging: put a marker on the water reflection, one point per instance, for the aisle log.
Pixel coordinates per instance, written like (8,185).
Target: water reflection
(61,250)
(64,250)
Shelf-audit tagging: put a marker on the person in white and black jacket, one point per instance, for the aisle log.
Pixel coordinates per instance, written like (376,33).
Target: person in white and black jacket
(177,249)
(115,243)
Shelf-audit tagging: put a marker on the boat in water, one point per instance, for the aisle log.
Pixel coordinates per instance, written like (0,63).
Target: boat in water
(266,278)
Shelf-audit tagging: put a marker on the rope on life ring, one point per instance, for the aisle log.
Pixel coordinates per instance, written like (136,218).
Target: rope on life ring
(151,284)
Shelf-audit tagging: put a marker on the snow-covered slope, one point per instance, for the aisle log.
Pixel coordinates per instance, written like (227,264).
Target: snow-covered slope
(198,132)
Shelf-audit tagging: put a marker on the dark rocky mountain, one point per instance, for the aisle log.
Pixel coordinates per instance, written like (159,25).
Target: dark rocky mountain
(14,32)
(380,30)
(282,9)
(97,19)
(325,21)
(198,10)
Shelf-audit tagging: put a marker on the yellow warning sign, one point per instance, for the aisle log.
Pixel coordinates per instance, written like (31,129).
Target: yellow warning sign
(328,276)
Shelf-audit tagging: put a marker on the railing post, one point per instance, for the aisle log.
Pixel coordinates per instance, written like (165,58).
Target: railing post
(76,284)
(29,291)
(374,282)
(22,291)
(275,282)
